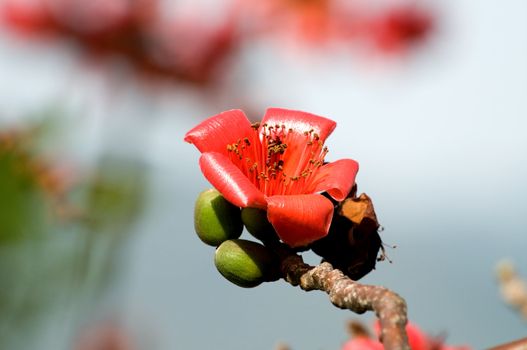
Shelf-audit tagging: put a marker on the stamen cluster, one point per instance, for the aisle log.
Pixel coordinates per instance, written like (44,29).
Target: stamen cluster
(279,160)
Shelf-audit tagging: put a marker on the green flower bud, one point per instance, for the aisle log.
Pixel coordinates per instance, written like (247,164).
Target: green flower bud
(215,219)
(246,263)
(255,220)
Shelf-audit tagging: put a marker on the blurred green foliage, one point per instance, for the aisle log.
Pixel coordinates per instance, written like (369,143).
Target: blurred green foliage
(61,240)
(22,202)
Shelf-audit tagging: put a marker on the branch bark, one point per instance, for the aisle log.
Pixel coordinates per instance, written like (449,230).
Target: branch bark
(345,293)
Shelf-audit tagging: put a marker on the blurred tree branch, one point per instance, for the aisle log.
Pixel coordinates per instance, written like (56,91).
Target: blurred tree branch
(513,287)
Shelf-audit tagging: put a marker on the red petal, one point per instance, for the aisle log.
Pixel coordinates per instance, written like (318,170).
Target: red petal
(337,178)
(300,219)
(215,133)
(300,121)
(230,181)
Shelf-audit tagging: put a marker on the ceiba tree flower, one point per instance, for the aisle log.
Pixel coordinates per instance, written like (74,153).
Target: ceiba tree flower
(276,165)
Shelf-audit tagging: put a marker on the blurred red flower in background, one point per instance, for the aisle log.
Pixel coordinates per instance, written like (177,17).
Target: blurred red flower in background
(94,23)
(190,51)
(308,21)
(399,28)
(195,49)
(389,28)
(417,340)
(278,166)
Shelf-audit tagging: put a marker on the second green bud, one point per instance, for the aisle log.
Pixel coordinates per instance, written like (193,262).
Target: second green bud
(255,220)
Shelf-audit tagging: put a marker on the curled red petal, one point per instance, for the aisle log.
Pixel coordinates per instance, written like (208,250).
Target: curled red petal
(299,121)
(300,219)
(216,132)
(230,181)
(337,178)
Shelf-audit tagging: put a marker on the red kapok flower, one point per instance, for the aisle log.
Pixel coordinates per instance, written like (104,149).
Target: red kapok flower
(276,165)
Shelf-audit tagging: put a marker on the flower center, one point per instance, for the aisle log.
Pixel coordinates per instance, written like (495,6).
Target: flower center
(279,160)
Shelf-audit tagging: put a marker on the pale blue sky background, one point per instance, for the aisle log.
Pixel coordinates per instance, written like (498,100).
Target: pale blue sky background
(441,142)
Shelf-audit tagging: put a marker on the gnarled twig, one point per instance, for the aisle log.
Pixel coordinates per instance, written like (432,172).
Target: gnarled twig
(345,293)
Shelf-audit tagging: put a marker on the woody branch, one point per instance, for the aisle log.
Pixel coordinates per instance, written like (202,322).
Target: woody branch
(345,293)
